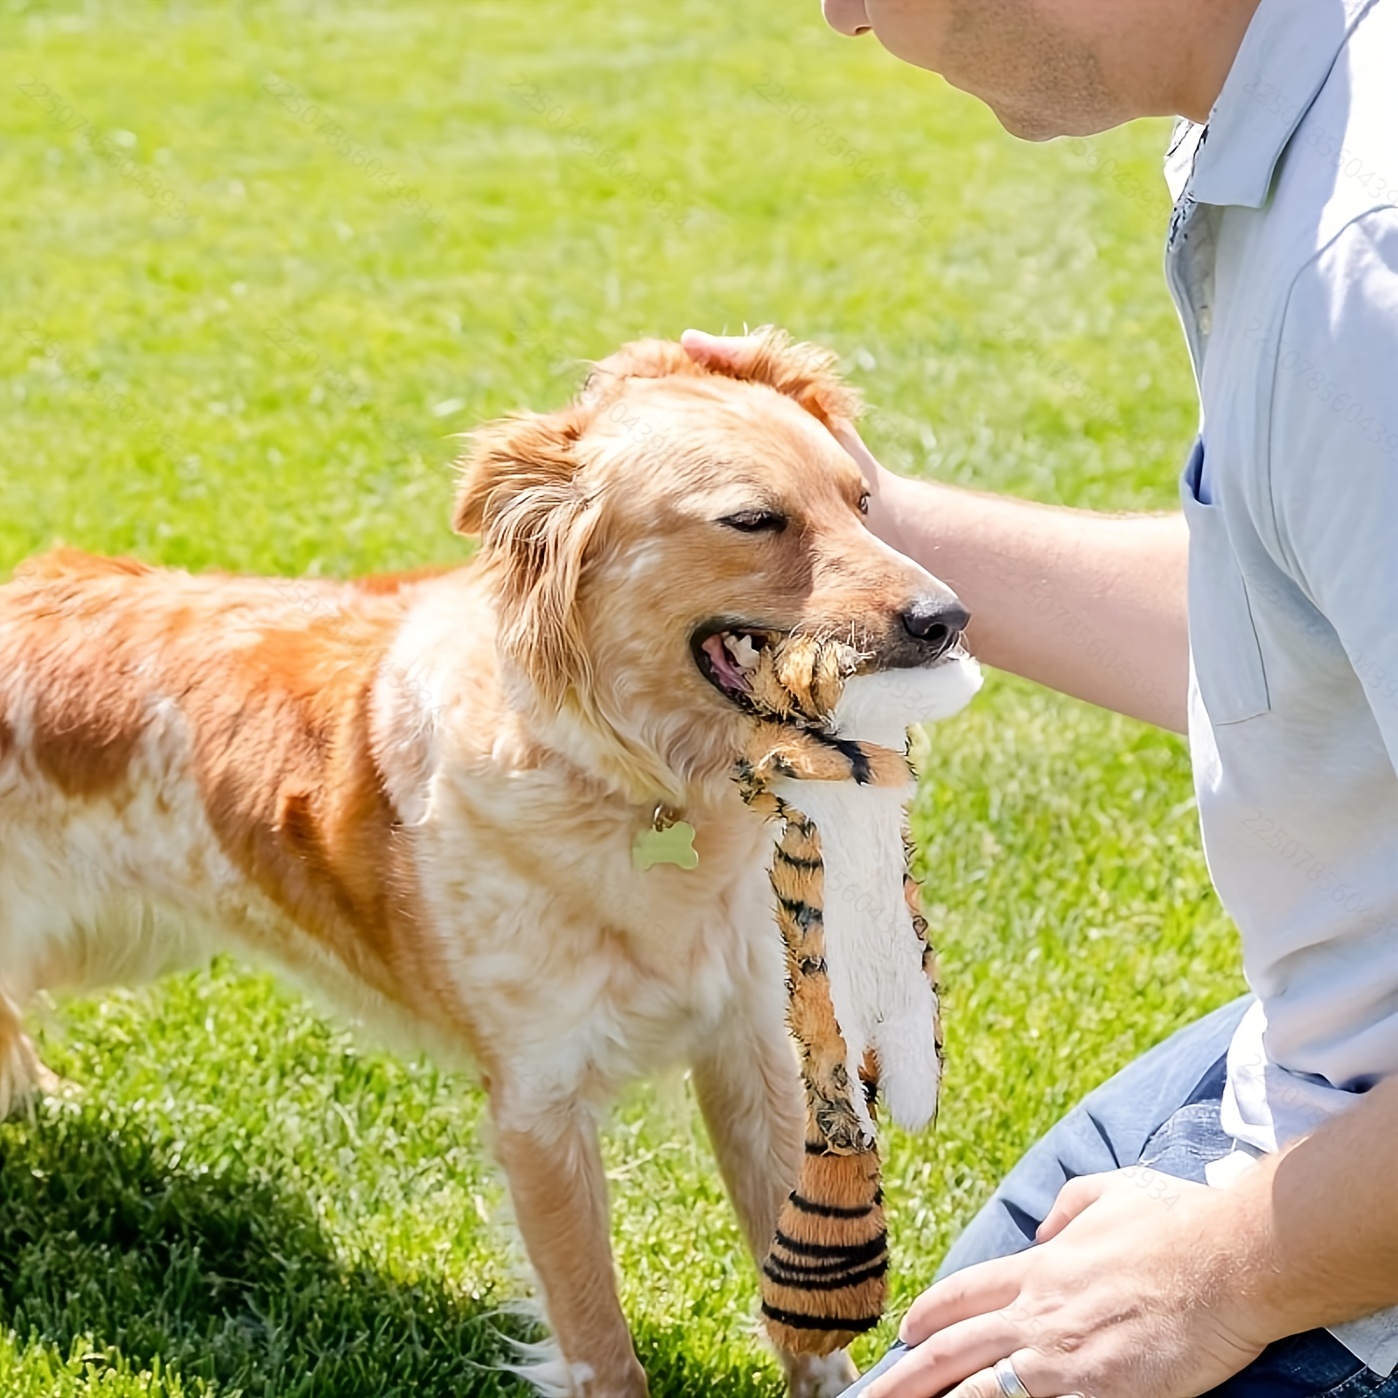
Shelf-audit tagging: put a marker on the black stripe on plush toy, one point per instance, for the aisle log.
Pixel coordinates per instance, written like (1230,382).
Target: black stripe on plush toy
(796,1321)
(829,1266)
(792,861)
(809,1206)
(835,1283)
(855,755)
(790,1274)
(861,1252)
(804,914)
(811,1271)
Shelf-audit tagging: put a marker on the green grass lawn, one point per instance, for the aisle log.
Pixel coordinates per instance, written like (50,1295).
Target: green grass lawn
(258,262)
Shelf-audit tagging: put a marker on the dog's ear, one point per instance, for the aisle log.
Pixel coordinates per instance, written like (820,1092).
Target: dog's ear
(520,492)
(510,456)
(807,373)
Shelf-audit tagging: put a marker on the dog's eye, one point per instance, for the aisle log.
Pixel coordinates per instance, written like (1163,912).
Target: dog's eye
(756,521)
(864,503)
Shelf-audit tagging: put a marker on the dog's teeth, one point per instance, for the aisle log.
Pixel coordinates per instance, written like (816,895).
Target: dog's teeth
(742,650)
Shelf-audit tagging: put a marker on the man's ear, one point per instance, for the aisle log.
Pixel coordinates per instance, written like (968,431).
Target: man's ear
(808,373)
(519,491)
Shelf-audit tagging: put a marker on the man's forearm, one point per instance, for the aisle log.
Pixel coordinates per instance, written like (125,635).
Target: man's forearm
(1090,604)
(1329,1216)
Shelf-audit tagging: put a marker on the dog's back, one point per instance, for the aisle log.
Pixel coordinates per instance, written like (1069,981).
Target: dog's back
(164,746)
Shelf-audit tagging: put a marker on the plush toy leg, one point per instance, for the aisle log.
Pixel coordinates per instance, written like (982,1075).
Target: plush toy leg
(912,895)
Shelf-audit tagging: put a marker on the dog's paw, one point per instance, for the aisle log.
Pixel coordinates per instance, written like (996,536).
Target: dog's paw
(23,1076)
(47,1083)
(818,1376)
(18,1081)
(541,1365)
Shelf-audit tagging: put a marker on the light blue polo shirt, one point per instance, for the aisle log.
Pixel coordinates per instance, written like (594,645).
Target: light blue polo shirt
(1283,260)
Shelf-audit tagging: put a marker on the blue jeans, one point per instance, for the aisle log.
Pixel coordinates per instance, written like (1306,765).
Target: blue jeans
(1161,1111)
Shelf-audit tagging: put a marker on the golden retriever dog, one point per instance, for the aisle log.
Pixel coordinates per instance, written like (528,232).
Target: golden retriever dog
(419,796)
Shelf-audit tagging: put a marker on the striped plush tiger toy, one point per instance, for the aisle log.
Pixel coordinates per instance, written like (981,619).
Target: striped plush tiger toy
(861,977)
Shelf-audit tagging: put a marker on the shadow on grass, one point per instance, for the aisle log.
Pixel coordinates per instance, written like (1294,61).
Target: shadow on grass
(232,1280)
(221,1276)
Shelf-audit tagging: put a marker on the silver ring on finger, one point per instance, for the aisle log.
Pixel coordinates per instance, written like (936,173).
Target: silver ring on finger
(1011,1385)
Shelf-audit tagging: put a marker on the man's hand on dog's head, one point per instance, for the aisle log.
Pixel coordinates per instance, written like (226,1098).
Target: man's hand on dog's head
(733,353)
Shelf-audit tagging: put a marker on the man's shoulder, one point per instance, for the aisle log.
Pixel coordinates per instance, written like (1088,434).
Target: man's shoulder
(1342,161)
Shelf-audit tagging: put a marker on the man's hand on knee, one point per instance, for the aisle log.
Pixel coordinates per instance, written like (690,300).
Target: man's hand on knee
(1132,1292)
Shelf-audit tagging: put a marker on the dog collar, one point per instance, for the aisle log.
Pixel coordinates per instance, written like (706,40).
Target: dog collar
(666,840)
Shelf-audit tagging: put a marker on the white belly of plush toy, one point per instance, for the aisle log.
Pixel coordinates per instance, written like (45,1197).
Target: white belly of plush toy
(879,994)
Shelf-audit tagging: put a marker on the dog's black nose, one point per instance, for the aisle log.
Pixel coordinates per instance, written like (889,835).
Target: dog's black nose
(936,622)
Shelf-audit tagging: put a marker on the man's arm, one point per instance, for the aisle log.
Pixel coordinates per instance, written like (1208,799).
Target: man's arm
(1332,1219)
(1090,604)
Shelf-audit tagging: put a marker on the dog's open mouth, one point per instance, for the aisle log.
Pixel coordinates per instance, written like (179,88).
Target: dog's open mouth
(728,658)
(800,677)
(775,675)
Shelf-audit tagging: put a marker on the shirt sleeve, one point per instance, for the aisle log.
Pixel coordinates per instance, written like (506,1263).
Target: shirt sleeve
(1334,450)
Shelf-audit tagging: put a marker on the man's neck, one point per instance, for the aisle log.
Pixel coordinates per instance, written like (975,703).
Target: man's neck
(1217,29)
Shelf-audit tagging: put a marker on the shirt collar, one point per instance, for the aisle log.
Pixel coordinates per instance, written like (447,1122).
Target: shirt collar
(1285,58)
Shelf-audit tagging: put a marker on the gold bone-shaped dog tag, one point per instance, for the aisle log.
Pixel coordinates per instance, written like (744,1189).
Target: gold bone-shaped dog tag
(668,840)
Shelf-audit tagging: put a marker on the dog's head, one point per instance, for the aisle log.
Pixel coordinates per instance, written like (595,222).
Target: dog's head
(654,539)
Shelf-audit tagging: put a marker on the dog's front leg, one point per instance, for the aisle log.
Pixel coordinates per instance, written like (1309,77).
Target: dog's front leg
(554,1167)
(750,1094)
(20,1069)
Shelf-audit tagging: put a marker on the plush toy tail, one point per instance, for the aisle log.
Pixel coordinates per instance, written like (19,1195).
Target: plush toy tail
(824,1280)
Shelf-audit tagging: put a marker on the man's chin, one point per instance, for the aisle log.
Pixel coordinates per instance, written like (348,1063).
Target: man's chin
(1038,127)
(1030,126)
